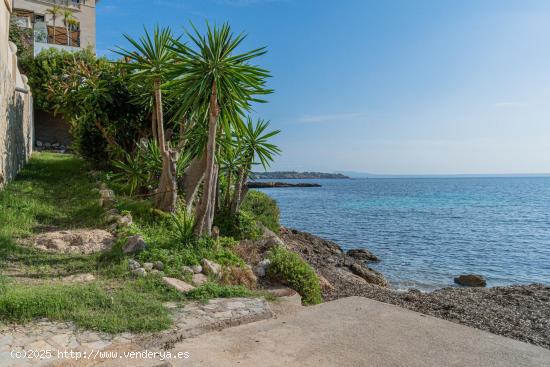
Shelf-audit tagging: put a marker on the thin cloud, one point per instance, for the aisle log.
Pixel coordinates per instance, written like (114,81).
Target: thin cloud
(331,117)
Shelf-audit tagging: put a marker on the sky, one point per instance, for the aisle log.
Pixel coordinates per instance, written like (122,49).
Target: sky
(387,87)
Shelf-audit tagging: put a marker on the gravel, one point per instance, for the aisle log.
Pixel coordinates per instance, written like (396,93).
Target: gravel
(520,312)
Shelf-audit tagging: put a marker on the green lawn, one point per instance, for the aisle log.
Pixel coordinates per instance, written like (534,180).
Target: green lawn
(55,192)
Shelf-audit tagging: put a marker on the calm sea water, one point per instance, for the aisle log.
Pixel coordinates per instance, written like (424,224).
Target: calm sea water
(428,230)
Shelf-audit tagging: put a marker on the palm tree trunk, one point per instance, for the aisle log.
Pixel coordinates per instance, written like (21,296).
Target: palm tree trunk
(192,178)
(227,199)
(235,205)
(167,192)
(154,123)
(203,224)
(53,18)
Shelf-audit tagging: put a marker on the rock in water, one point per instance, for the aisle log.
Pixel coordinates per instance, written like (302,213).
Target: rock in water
(134,244)
(362,254)
(471,280)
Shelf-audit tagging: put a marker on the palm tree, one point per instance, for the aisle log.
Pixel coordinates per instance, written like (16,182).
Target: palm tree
(54,12)
(148,63)
(255,149)
(72,24)
(67,16)
(212,78)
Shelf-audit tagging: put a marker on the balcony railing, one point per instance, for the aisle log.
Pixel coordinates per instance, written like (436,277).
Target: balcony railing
(65,3)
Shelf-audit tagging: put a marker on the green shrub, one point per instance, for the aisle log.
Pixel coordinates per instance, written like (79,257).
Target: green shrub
(291,269)
(263,208)
(240,226)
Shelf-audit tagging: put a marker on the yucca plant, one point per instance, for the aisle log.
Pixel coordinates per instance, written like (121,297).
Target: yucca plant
(211,76)
(183,224)
(148,64)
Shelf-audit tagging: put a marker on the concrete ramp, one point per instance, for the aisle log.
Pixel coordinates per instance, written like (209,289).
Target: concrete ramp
(358,331)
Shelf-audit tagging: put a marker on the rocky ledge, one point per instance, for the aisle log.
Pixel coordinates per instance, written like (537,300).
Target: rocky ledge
(521,312)
(262,185)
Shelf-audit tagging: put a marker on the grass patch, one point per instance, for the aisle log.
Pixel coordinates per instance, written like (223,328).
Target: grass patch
(91,306)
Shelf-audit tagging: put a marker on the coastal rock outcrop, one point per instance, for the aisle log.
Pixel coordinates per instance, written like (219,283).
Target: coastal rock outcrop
(471,280)
(362,254)
(329,259)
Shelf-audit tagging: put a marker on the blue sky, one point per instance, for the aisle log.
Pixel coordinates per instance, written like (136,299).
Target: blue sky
(402,87)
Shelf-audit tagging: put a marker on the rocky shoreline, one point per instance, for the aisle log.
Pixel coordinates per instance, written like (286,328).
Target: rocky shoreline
(520,311)
(271,184)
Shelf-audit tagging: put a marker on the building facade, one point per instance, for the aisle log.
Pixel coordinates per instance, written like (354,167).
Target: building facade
(16,117)
(64,24)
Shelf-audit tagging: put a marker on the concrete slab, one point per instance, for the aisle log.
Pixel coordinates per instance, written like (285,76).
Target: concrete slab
(358,331)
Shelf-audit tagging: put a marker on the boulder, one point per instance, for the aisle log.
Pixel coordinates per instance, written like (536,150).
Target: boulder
(261,268)
(134,244)
(362,254)
(140,272)
(211,267)
(471,280)
(133,264)
(148,266)
(370,275)
(177,284)
(158,265)
(196,269)
(199,279)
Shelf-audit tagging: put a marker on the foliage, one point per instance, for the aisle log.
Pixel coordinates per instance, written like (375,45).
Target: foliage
(184,223)
(23,39)
(290,268)
(94,96)
(240,225)
(263,208)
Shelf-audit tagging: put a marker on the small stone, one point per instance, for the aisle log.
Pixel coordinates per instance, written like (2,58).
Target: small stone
(187,269)
(140,272)
(156,272)
(261,268)
(158,265)
(211,268)
(125,220)
(199,279)
(134,244)
(177,284)
(133,264)
(148,266)
(196,269)
(471,280)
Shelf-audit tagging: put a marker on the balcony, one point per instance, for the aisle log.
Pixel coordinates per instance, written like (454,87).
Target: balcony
(46,37)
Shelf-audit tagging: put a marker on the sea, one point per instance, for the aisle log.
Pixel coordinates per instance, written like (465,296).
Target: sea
(426,231)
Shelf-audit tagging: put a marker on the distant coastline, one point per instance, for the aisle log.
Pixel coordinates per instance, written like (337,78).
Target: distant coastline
(297,175)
